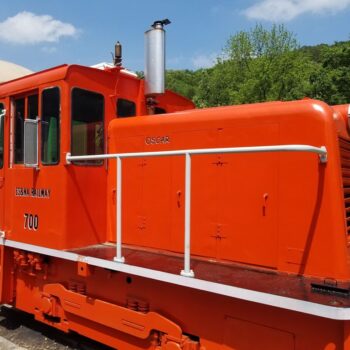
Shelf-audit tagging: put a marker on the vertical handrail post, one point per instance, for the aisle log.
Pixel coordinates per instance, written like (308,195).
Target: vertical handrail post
(187,272)
(118,203)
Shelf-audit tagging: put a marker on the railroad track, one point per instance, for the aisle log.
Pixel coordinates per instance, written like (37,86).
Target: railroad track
(19,330)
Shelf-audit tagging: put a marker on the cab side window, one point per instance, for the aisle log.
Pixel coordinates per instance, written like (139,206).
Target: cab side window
(50,126)
(24,107)
(125,108)
(2,118)
(33,106)
(19,129)
(87,124)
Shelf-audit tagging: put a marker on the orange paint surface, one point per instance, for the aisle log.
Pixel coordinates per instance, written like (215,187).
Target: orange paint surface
(279,213)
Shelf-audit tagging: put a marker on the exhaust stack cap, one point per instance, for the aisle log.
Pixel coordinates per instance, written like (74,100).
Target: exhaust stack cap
(160,24)
(155,58)
(118,54)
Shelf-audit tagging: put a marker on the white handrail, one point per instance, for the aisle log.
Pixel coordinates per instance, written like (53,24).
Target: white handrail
(118,205)
(321,151)
(187,249)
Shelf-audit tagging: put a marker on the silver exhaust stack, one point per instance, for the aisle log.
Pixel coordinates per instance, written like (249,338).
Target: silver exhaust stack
(117,54)
(155,58)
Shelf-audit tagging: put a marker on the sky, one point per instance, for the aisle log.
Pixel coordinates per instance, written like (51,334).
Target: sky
(40,34)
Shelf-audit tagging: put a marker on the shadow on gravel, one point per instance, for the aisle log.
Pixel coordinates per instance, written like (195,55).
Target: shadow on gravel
(21,329)
(8,323)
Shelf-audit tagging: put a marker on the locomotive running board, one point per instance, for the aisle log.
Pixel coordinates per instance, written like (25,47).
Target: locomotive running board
(306,307)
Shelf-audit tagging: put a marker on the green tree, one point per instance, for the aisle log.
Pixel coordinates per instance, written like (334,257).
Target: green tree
(184,82)
(332,80)
(256,66)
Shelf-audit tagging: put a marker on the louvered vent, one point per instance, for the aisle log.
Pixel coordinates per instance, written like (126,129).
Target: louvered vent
(345,167)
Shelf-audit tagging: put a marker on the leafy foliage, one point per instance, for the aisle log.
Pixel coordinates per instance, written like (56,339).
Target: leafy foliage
(183,81)
(332,83)
(264,65)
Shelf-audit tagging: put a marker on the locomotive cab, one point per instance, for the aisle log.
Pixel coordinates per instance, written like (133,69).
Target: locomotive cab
(45,116)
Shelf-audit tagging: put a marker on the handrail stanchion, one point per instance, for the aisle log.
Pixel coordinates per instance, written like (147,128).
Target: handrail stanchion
(119,258)
(321,151)
(187,256)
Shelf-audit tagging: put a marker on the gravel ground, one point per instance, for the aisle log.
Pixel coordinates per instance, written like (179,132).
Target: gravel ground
(18,331)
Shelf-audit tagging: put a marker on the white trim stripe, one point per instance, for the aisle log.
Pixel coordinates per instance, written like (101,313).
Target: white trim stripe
(41,250)
(330,312)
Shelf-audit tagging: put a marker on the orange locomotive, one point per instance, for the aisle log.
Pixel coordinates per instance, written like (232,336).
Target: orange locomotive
(131,218)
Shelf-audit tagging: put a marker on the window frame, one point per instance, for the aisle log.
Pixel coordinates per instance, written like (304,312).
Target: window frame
(14,99)
(93,163)
(59,125)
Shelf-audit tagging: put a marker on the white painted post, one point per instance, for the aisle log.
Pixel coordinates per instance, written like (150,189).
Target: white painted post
(321,151)
(187,272)
(118,203)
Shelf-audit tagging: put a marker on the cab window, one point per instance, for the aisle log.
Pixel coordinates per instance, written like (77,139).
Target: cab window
(50,126)
(24,107)
(19,129)
(33,106)
(125,108)
(87,123)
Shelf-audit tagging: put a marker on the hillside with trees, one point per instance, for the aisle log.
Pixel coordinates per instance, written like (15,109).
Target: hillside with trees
(266,65)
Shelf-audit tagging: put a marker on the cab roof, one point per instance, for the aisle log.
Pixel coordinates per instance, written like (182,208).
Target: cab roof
(33,81)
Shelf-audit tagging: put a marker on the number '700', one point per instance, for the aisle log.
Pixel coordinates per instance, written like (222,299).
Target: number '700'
(31,222)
